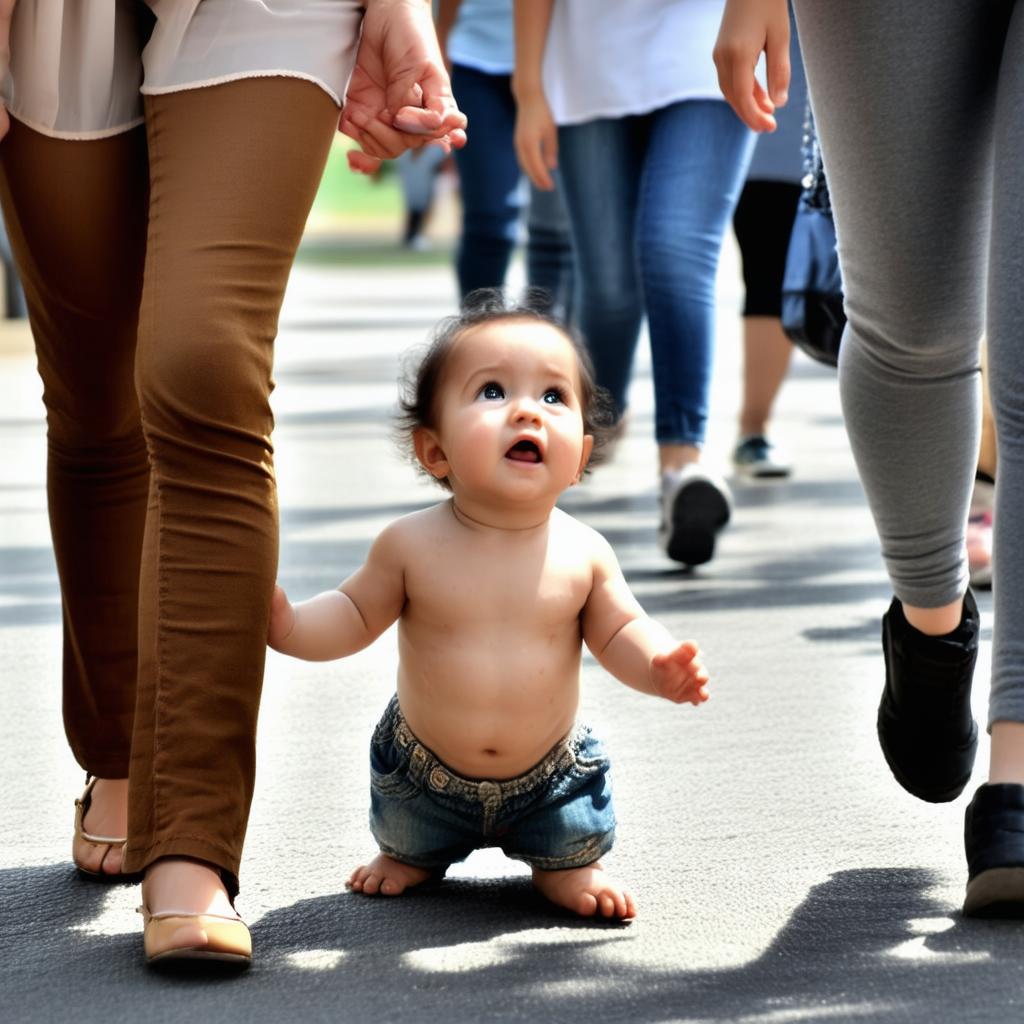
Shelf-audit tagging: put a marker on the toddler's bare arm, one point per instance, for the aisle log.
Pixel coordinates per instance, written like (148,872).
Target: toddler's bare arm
(631,645)
(343,621)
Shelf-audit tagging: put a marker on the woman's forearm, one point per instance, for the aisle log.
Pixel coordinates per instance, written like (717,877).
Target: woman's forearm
(532,19)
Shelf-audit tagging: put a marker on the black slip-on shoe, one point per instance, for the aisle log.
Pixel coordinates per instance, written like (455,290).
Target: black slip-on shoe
(994,841)
(925,726)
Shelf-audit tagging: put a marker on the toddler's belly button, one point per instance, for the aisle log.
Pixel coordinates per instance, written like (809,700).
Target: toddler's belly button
(490,752)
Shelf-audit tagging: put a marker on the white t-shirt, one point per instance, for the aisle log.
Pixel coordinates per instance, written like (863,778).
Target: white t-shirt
(78,66)
(612,58)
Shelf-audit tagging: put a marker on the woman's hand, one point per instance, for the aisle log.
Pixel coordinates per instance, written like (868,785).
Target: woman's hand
(536,139)
(400,96)
(748,28)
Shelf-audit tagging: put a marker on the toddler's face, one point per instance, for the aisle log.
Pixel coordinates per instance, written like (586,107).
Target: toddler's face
(510,417)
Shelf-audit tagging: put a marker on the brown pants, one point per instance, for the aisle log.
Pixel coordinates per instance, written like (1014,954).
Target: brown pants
(154,264)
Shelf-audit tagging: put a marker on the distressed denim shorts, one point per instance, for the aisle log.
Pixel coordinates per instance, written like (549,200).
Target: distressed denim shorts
(557,815)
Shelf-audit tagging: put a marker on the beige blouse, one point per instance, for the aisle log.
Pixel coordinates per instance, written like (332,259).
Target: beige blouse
(78,67)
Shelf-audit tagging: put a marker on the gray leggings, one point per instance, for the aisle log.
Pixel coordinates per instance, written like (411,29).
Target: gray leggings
(918,107)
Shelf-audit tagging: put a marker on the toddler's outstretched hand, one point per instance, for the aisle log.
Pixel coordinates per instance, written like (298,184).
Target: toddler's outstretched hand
(282,618)
(679,676)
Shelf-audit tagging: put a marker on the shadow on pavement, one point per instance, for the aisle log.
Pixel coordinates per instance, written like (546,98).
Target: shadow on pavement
(865,944)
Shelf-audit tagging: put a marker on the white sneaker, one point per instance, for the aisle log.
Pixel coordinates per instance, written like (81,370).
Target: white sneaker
(695,505)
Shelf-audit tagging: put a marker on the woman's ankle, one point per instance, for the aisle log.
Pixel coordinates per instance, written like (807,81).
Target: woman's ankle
(935,621)
(187,885)
(107,813)
(672,457)
(1006,755)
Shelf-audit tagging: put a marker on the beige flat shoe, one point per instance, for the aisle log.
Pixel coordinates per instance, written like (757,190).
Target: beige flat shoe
(225,938)
(81,809)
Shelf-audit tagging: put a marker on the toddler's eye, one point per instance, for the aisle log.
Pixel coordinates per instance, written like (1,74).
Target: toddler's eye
(553,396)
(492,391)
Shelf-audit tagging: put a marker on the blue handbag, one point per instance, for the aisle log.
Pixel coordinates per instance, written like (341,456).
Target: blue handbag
(812,287)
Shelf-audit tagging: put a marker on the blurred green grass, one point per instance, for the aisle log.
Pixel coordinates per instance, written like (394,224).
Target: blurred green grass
(346,196)
(358,219)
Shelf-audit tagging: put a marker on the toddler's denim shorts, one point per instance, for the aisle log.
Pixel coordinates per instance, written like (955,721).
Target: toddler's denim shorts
(557,815)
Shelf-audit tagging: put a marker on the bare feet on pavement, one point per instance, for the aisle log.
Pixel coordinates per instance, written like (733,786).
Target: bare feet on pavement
(107,816)
(587,891)
(386,876)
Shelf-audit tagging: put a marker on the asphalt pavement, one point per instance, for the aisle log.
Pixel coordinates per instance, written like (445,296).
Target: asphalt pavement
(781,874)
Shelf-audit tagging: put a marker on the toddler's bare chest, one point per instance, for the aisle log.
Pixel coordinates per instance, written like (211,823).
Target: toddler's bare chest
(543,594)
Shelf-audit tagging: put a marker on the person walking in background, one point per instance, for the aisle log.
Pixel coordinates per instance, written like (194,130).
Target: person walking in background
(621,98)
(763,222)
(417,174)
(476,38)
(918,120)
(154,235)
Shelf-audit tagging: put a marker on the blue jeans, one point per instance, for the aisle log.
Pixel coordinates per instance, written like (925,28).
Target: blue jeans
(650,197)
(493,197)
(557,815)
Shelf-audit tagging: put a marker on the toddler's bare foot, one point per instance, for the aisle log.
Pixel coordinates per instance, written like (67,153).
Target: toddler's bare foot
(107,816)
(587,891)
(386,876)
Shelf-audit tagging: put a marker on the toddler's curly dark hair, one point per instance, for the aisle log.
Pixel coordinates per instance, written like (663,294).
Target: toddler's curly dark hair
(421,378)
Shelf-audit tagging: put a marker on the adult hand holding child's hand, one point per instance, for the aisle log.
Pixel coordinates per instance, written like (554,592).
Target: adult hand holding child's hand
(679,675)
(399,96)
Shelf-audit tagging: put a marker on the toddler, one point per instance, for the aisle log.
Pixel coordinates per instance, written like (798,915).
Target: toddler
(495,590)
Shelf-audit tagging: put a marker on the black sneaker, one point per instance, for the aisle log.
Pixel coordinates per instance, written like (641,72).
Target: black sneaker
(925,726)
(994,841)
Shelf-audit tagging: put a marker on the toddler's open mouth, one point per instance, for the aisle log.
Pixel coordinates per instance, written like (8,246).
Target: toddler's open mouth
(524,451)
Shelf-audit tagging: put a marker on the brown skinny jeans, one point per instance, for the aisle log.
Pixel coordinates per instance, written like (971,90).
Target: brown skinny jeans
(153,297)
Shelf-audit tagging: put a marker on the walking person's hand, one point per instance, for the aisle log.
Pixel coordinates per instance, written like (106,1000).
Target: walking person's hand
(750,27)
(399,96)
(536,139)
